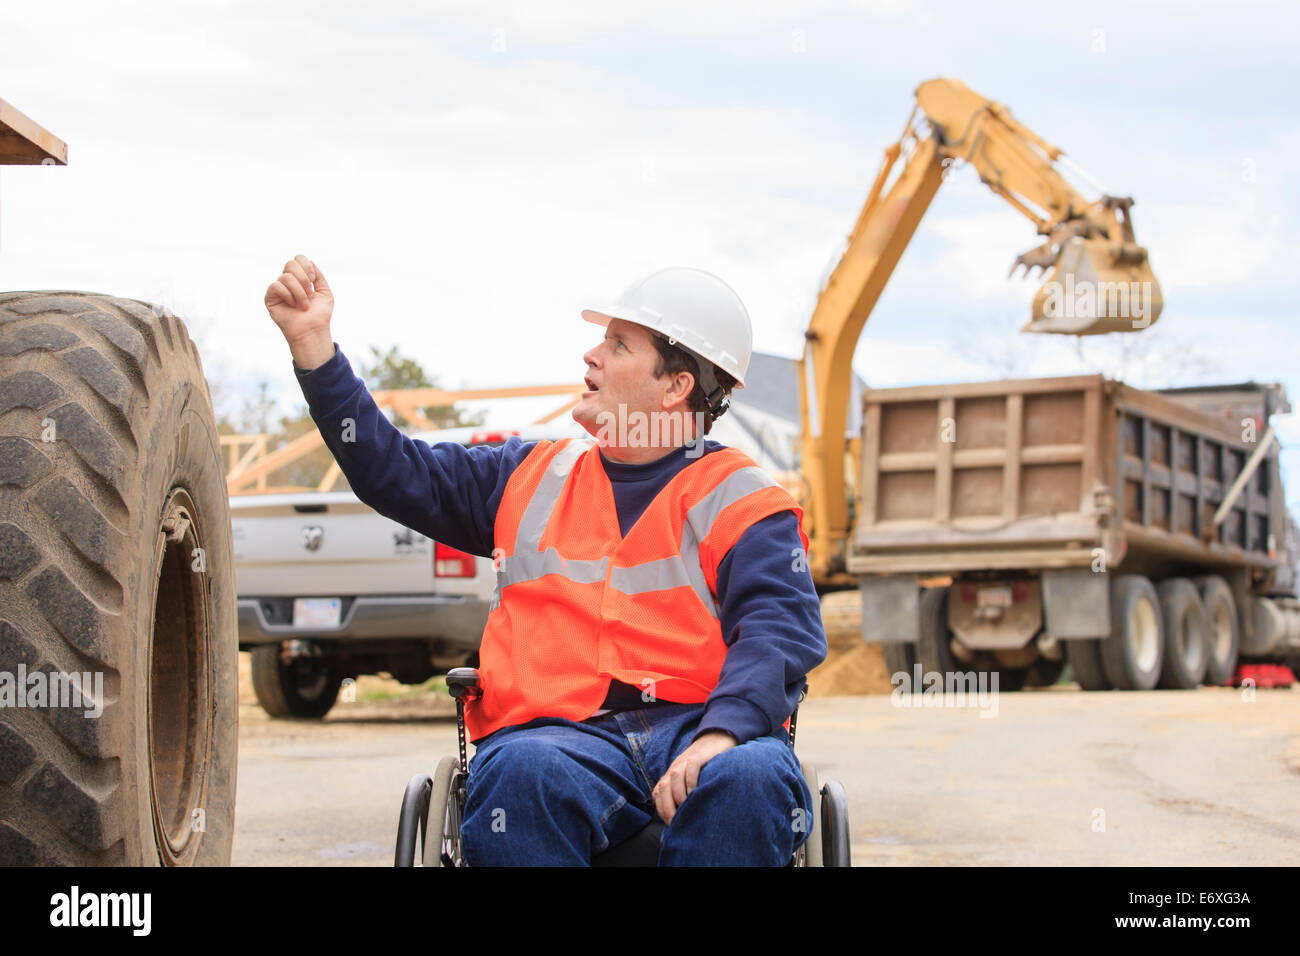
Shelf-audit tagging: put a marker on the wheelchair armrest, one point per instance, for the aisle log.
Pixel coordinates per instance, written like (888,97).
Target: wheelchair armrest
(464,682)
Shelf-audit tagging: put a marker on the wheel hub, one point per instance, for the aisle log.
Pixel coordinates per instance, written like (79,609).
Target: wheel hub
(180,682)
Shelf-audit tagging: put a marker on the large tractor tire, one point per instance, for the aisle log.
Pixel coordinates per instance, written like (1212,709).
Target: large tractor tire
(115,562)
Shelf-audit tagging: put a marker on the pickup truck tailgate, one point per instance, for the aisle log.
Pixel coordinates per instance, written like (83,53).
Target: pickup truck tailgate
(331,544)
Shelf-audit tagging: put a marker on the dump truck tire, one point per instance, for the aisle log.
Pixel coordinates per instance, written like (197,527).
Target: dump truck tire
(1084,657)
(899,657)
(115,563)
(1224,638)
(284,690)
(1134,652)
(933,651)
(1187,634)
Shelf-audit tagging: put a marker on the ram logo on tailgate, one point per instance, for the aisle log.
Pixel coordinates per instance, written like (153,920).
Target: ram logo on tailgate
(311,536)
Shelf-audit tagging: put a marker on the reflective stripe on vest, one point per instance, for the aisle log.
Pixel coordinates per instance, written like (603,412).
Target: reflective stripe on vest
(528,562)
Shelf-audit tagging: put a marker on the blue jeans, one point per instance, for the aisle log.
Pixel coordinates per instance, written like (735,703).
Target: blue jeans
(558,792)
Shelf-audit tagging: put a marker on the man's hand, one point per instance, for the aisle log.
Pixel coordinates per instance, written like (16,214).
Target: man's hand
(684,773)
(301,303)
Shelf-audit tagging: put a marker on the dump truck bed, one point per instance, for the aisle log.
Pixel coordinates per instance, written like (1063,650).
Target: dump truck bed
(1043,472)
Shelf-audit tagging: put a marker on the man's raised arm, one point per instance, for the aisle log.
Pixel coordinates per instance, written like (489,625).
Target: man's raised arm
(445,491)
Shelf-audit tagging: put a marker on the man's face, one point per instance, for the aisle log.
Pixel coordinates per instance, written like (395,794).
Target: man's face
(620,372)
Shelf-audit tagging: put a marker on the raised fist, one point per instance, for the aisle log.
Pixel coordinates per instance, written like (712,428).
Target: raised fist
(301,304)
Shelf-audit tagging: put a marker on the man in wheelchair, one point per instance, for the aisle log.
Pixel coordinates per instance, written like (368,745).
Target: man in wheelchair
(654,617)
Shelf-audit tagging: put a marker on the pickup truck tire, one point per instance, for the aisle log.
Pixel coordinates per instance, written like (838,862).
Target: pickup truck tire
(1224,636)
(302,688)
(115,563)
(1085,660)
(1133,654)
(1187,634)
(933,651)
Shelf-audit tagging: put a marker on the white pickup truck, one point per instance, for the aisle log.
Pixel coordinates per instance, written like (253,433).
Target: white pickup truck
(329,589)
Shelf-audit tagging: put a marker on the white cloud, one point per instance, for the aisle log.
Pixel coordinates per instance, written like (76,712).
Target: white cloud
(580,21)
(979,252)
(1213,245)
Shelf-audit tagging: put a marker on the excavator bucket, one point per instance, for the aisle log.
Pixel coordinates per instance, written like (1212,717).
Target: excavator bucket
(1094,287)
(1098,278)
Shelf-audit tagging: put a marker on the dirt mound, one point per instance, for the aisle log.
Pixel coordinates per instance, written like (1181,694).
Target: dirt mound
(853,666)
(861,670)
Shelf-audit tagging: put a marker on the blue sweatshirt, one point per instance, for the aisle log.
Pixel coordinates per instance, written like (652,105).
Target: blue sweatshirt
(769,610)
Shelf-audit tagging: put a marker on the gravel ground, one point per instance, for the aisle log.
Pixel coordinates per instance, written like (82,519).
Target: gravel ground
(1050,777)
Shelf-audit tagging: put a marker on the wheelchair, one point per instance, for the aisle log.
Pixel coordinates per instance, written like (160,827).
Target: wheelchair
(428,827)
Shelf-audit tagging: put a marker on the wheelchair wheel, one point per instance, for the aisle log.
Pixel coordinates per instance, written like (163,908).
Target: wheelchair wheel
(810,853)
(428,830)
(442,832)
(835,816)
(411,820)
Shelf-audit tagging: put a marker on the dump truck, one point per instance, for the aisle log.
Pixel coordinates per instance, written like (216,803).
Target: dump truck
(1097,279)
(1016,525)
(119,696)
(1011,526)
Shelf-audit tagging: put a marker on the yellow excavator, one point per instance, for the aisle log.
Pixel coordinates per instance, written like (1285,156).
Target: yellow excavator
(1097,279)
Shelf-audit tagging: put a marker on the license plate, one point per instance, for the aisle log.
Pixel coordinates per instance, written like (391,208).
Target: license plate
(317,612)
(993,597)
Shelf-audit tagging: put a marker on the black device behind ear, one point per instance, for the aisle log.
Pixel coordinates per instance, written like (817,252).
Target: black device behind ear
(713,392)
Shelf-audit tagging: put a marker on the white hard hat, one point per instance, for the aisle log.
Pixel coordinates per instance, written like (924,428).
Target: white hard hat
(696,310)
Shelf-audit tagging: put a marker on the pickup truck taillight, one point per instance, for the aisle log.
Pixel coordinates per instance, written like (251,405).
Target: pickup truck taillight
(450,563)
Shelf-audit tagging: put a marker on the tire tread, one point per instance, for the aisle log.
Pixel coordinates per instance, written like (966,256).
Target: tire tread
(88,363)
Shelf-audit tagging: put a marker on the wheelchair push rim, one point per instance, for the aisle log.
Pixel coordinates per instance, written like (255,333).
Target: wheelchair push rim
(428,827)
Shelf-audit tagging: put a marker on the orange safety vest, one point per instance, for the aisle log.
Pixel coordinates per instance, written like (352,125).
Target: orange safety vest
(577,604)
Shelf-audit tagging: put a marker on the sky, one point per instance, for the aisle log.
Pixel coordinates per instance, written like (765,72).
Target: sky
(470,175)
